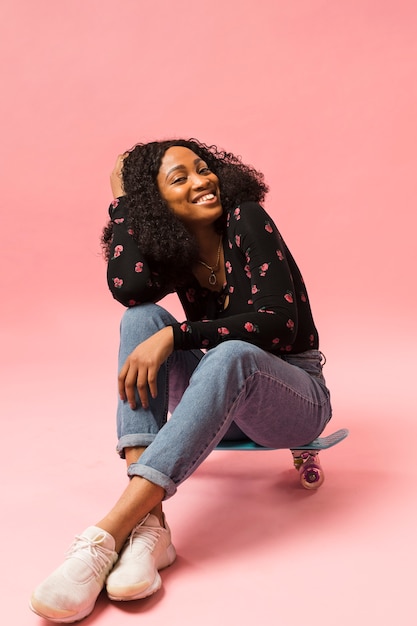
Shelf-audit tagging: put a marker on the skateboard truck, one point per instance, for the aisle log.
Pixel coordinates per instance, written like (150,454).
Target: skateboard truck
(306,458)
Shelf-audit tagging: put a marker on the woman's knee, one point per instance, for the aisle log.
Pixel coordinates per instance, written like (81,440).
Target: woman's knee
(236,347)
(232,352)
(144,319)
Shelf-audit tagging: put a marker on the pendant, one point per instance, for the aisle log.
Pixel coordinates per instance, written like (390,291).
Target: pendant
(212,278)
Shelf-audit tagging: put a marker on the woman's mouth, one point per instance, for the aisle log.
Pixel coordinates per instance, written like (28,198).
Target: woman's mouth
(208,197)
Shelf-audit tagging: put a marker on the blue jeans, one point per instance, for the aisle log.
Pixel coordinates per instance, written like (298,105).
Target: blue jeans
(235,391)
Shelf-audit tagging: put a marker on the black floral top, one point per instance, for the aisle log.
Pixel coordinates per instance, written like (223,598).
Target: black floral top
(264,300)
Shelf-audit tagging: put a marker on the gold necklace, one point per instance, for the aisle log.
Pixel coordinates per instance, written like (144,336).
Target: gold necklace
(213,278)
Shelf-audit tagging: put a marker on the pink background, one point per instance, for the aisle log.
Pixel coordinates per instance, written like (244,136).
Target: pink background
(322,97)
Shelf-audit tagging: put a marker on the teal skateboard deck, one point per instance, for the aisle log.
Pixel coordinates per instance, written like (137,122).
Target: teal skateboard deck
(305,458)
(321,443)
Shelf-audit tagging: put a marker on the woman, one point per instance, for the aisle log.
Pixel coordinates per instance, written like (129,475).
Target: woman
(244,364)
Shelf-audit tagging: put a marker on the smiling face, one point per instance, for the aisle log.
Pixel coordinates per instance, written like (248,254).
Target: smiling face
(189,188)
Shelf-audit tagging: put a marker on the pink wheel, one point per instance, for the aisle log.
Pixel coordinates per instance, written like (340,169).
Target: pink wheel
(311,474)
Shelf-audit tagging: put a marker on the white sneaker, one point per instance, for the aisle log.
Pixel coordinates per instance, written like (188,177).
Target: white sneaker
(71,591)
(148,550)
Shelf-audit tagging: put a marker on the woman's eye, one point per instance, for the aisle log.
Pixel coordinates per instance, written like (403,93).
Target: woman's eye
(202,171)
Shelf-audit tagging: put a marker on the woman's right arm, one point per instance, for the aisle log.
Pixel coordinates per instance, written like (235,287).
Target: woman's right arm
(129,277)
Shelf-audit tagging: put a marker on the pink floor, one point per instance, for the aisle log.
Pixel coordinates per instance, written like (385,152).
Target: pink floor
(321,96)
(252,544)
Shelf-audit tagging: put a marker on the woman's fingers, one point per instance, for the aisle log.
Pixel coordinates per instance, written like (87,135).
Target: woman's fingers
(131,383)
(121,382)
(142,387)
(152,381)
(132,378)
(116,177)
(140,370)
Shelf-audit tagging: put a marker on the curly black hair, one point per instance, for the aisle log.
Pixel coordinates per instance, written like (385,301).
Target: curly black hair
(169,247)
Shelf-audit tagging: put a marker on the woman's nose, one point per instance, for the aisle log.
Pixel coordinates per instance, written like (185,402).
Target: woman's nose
(199,181)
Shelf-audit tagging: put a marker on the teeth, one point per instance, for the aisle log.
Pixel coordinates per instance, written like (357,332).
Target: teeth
(208,196)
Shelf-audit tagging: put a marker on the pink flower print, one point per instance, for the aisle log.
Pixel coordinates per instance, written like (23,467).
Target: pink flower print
(119,220)
(115,203)
(185,327)
(247,255)
(263,269)
(290,324)
(250,301)
(248,272)
(223,331)
(275,341)
(231,289)
(311,340)
(254,289)
(205,342)
(230,244)
(132,303)
(268,227)
(139,267)
(130,231)
(236,213)
(251,328)
(289,297)
(117,251)
(117,282)
(237,240)
(303,297)
(280,255)
(264,310)
(228,267)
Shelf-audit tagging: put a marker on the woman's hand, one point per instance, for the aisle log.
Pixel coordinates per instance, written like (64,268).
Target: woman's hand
(116,177)
(141,367)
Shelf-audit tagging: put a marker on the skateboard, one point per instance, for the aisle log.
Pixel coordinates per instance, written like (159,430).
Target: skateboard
(305,458)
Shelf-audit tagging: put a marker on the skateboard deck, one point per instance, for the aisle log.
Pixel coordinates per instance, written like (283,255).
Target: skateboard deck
(321,443)
(305,458)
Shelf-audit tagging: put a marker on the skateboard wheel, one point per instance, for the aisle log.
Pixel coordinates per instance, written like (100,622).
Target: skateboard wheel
(311,476)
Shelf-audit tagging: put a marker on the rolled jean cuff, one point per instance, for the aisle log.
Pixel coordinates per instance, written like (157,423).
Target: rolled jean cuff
(154,476)
(138,440)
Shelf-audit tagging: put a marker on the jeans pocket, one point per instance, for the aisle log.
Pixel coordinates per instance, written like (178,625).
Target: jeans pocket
(309,361)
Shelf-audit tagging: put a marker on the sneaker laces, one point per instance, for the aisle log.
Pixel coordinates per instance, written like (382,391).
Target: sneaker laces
(94,555)
(149,535)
